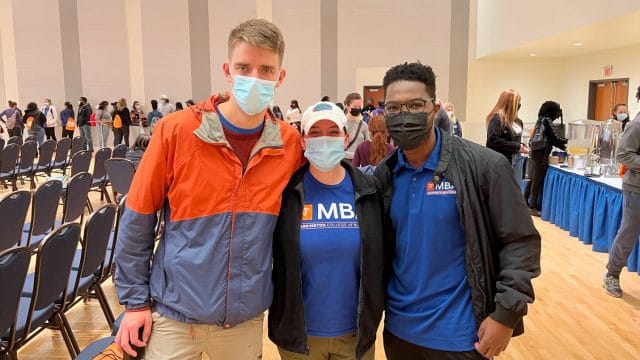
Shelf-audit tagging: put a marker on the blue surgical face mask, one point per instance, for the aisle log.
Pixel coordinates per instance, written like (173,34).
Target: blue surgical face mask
(252,94)
(621,117)
(324,152)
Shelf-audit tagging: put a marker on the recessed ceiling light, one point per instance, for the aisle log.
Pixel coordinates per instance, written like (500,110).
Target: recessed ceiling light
(533,54)
(577,44)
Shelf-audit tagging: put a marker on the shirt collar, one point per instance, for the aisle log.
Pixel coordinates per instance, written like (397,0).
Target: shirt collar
(432,160)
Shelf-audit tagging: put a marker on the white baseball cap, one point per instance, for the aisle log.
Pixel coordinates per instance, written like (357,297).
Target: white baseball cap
(164,97)
(323,110)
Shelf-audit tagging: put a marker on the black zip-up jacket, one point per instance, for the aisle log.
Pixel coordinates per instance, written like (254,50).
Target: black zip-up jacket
(502,139)
(287,327)
(502,251)
(552,139)
(38,119)
(84,114)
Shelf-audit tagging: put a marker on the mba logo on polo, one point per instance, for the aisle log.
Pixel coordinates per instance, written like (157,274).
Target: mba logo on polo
(444,188)
(332,215)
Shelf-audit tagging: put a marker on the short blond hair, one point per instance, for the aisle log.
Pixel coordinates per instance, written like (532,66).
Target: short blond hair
(259,33)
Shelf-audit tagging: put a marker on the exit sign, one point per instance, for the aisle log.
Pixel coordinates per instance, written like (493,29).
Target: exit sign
(608,70)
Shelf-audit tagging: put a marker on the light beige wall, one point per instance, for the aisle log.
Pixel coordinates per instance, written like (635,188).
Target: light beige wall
(537,80)
(579,70)
(505,24)
(104,50)
(38,51)
(300,25)
(165,44)
(380,34)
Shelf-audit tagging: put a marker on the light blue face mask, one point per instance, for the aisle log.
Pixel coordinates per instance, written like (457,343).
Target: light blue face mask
(621,117)
(324,152)
(252,94)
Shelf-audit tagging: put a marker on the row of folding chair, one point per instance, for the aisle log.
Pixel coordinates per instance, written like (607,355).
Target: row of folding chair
(64,275)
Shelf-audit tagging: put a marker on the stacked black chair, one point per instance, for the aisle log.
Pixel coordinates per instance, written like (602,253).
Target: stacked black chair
(43,166)
(44,207)
(61,161)
(100,179)
(80,162)
(120,172)
(10,155)
(28,154)
(78,144)
(14,264)
(13,211)
(15,140)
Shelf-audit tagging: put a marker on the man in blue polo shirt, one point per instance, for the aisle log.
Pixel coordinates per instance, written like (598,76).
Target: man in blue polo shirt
(462,246)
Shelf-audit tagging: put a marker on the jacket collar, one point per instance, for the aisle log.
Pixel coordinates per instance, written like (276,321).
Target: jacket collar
(211,131)
(361,186)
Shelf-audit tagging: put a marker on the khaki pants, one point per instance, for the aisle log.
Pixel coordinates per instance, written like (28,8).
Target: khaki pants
(172,339)
(338,348)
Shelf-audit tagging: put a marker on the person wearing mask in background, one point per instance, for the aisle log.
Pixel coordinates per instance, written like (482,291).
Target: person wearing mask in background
(620,113)
(68,120)
(153,116)
(628,154)
(12,117)
(84,113)
(121,123)
(314,252)
(371,152)
(104,123)
(277,112)
(367,110)
(379,111)
(549,111)
(357,129)
(504,131)
(134,154)
(293,114)
(462,246)
(442,119)
(137,118)
(51,115)
(165,106)
(221,166)
(456,127)
(35,121)
(179,106)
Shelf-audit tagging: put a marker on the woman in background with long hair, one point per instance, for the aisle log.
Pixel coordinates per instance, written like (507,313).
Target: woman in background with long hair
(371,152)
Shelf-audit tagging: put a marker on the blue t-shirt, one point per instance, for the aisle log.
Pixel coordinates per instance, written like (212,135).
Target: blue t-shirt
(428,297)
(330,257)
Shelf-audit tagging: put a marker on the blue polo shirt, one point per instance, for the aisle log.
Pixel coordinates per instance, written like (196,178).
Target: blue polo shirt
(428,297)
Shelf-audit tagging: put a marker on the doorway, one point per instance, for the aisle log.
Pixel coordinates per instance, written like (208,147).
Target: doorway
(374,93)
(604,95)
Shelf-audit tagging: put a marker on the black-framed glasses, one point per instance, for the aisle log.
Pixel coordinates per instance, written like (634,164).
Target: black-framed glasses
(412,106)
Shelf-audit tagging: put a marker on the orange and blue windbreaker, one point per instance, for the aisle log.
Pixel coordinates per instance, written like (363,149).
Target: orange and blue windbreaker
(213,264)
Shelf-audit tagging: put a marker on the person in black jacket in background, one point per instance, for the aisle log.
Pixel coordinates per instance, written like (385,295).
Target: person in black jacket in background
(504,131)
(549,111)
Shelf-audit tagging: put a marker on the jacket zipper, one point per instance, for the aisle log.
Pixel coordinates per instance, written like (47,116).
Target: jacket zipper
(307,347)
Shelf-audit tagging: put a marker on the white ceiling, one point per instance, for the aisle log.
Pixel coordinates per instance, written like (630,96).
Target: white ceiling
(613,33)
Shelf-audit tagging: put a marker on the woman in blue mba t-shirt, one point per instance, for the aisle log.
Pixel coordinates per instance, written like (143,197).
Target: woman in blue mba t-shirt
(327,271)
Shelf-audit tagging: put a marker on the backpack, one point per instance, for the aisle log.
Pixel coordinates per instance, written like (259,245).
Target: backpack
(71,124)
(117,122)
(11,120)
(29,123)
(154,120)
(538,140)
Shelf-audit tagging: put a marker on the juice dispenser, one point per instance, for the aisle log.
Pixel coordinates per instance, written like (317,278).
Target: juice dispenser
(580,140)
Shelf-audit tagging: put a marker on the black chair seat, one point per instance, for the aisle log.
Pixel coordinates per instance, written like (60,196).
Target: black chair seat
(27,290)
(95,348)
(38,319)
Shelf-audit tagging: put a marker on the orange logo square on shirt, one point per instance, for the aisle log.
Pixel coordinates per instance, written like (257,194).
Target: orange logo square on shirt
(307,212)
(431,186)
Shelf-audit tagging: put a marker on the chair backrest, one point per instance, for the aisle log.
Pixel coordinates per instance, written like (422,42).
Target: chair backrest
(97,231)
(77,144)
(62,150)
(102,155)
(31,138)
(2,142)
(120,173)
(13,211)
(76,196)
(45,206)
(120,211)
(14,264)
(80,162)
(120,151)
(53,266)
(15,140)
(10,158)
(46,153)
(28,154)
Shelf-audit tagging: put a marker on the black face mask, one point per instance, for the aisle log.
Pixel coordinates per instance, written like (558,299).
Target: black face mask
(408,130)
(355,111)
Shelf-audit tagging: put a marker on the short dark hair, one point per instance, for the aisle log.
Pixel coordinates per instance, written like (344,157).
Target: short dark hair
(550,109)
(638,94)
(154,104)
(68,105)
(83,98)
(412,72)
(325,98)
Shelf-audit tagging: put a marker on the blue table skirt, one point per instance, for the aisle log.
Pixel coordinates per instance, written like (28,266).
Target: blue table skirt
(589,210)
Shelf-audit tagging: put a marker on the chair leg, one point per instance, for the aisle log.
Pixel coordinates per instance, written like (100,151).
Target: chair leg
(67,334)
(104,304)
(14,184)
(89,205)
(105,193)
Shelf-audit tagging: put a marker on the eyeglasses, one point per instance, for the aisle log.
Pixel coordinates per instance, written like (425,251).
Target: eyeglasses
(412,106)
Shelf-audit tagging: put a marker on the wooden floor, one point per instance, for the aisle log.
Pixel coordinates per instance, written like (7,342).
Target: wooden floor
(572,317)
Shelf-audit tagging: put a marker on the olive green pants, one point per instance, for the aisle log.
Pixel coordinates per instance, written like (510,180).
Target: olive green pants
(335,348)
